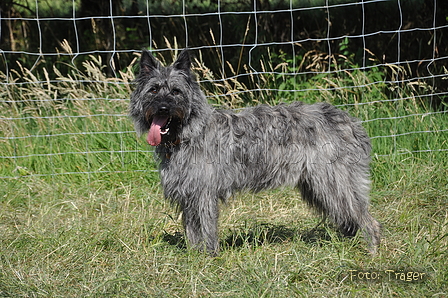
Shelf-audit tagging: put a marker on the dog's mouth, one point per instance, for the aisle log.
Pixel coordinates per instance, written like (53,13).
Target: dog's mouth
(159,126)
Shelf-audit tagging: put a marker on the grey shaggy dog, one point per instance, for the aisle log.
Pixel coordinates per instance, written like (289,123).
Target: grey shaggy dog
(206,155)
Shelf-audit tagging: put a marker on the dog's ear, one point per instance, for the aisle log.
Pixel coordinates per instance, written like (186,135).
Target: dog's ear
(148,63)
(183,61)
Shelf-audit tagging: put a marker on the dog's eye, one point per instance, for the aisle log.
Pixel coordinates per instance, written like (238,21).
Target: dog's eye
(154,90)
(175,92)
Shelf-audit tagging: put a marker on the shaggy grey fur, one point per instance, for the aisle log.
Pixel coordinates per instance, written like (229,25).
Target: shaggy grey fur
(206,155)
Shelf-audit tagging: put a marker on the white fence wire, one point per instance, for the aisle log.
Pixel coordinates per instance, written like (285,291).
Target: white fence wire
(42,125)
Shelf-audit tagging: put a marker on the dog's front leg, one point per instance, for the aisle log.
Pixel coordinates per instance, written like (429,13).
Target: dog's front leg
(201,224)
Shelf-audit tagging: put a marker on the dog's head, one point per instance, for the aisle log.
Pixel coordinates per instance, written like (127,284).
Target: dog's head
(164,98)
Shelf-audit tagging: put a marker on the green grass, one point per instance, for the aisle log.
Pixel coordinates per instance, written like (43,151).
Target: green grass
(92,222)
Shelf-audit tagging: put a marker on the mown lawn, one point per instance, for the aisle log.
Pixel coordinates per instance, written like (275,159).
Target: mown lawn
(117,237)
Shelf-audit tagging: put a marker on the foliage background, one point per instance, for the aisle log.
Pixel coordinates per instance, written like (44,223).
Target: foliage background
(390,30)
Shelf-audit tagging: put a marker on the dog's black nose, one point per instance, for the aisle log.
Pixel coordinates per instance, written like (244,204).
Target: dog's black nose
(163,110)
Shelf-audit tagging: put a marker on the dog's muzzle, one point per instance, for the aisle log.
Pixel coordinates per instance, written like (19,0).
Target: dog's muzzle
(160,125)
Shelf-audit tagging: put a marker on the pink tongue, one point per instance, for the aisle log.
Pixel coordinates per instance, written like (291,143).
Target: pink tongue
(154,137)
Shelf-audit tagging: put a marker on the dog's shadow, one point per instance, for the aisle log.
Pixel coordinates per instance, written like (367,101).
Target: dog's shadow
(259,234)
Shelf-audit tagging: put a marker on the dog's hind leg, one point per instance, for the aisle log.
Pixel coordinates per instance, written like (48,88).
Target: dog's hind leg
(341,193)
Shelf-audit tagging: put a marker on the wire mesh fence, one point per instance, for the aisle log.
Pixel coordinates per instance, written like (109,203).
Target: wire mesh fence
(66,72)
